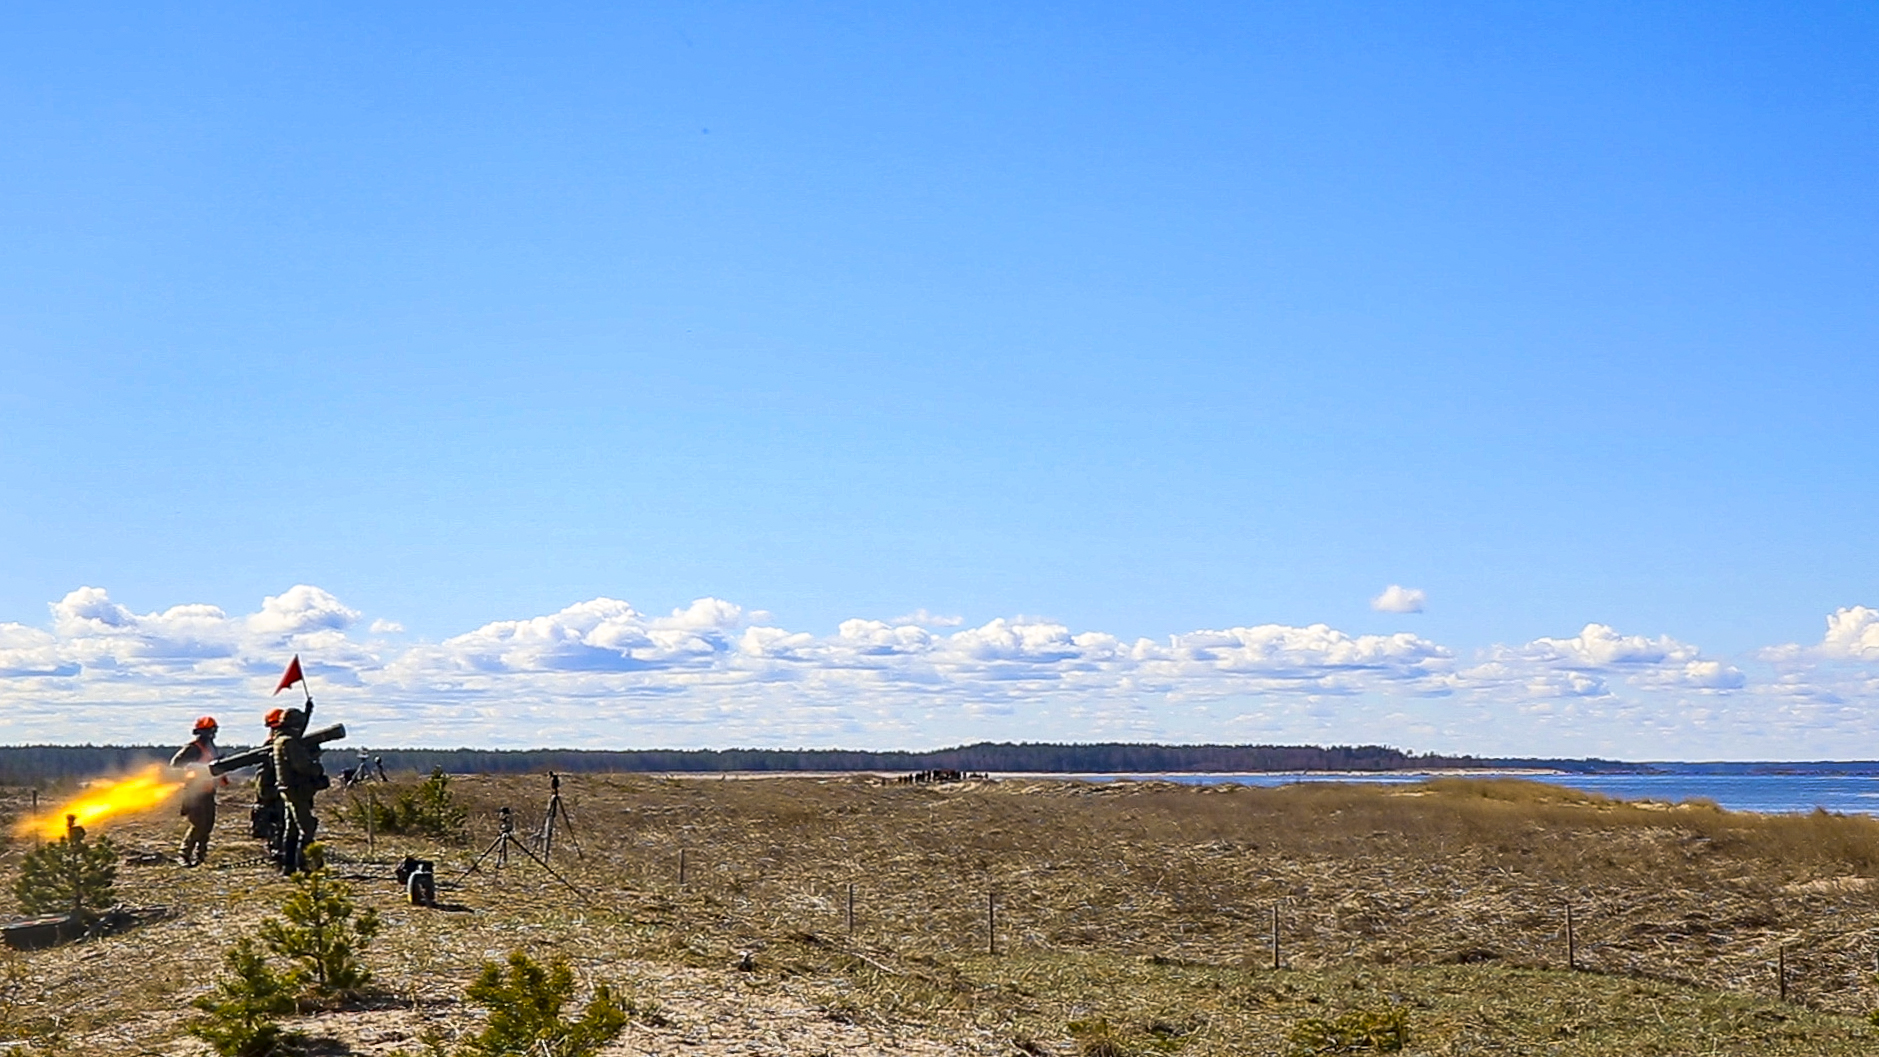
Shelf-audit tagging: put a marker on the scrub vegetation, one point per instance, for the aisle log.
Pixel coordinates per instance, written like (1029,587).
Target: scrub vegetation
(1046,916)
(426,809)
(69,875)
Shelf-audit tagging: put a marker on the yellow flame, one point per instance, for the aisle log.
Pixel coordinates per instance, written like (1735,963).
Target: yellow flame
(146,789)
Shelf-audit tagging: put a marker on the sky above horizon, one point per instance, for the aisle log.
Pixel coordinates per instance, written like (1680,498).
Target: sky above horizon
(1488,378)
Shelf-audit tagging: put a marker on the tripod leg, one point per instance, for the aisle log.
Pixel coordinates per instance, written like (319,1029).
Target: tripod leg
(553,872)
(479,859)
(567,823)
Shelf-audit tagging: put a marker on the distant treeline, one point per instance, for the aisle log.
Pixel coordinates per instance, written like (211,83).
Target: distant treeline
(41,763)
(30,764)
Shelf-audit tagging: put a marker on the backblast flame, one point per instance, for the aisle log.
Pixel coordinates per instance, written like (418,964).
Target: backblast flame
(148,788)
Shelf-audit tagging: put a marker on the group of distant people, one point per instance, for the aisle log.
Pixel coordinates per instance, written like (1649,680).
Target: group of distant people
(287,776)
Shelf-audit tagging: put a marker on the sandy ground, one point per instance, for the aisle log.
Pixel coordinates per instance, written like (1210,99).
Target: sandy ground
(1107,894)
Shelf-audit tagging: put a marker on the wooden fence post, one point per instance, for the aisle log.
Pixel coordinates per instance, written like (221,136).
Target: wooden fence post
(991,922)
(1275,935)
(1572,942)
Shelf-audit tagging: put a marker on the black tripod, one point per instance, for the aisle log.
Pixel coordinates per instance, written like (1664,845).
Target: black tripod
(500,848)
(557,815)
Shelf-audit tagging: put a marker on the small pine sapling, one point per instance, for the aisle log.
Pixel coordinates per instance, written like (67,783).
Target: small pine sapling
(323,932)
(69,875)
(524,1003)
(1384,1030)
(239,1015)
(428,810)
(434,811)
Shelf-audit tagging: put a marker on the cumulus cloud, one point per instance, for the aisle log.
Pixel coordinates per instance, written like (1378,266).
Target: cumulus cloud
(921,618)
(105,632)
(302,609)
(1585,664)
(1852,633)
(603,673)
(601,635)
(1399,599)
(1832,682)
(29,651)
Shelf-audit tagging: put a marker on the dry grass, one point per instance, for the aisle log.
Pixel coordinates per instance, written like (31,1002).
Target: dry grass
(1145,907)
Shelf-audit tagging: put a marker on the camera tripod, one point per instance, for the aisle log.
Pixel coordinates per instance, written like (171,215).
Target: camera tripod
(500,849)
(557,816)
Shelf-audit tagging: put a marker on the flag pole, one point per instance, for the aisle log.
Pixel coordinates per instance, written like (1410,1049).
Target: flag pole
(295,667)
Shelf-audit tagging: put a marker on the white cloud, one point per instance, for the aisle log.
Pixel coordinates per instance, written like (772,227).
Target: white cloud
(381,626)
(921,618)
(1852,633)
(105,632)
(1399,599)
(28,651)
(602,673)
(1833,681)
(300,610)
(1585,665)
(600,635)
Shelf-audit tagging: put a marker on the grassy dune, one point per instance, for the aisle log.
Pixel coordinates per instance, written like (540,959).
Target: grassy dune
(1130,918)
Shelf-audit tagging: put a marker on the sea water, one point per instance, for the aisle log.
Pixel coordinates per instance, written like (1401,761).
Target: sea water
(1773,793)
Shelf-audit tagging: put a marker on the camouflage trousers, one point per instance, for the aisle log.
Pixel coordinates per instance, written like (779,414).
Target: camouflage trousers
(301,827)
(201,815)
(267,821)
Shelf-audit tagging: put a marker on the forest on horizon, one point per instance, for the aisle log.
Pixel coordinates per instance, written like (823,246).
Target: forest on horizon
(30,764)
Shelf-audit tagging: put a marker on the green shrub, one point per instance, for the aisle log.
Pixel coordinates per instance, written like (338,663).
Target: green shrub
(524,1003)
(16,984)
(71,874)
(1095,1038)
(322,933)
(239,1013)
(1383,1030)
(425,810)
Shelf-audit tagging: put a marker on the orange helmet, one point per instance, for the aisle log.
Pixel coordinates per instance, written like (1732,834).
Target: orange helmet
(205,723)
(273,718)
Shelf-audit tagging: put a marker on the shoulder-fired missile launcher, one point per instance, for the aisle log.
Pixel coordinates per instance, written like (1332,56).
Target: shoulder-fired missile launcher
(250,757)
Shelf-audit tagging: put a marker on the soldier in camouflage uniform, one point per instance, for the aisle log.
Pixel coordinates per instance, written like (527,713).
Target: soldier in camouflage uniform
(269,817)
(298,772)
(198,800)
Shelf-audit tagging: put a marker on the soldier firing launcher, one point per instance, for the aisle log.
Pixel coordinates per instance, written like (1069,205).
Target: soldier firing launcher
(250,757)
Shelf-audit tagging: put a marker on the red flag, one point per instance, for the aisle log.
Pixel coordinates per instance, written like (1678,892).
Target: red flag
(291,675)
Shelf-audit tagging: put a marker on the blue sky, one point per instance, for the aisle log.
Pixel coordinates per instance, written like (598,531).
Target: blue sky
(1128,321)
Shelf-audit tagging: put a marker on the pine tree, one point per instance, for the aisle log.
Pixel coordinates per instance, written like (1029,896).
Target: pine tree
(525,1018)
(322,933)
(240,1012)
(434,811)
(426,810)
(69,875)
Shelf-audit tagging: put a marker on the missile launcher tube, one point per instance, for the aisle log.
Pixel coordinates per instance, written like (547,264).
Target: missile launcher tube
(250,757)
